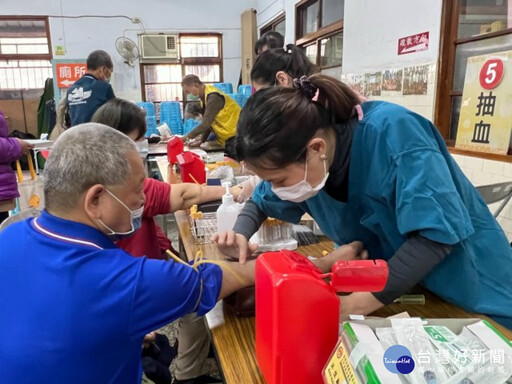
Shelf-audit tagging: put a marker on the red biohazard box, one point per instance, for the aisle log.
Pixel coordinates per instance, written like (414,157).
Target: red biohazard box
(192,168)
(174,148)
(297,312)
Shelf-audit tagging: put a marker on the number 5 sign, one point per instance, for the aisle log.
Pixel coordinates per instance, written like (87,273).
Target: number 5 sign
(485,120)
(491,73)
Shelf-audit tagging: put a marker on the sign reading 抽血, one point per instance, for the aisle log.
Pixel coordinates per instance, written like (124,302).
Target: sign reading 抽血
(485,119)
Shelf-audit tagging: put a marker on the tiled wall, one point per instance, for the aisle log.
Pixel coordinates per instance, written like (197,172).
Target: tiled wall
(482,172)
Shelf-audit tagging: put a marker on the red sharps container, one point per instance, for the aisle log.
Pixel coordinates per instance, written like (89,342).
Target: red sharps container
(192,168)
(174,148)
(297,312)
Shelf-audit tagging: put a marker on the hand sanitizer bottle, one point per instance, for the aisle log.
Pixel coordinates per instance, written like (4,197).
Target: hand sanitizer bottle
(227,212)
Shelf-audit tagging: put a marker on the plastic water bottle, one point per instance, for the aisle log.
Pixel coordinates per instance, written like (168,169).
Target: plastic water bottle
(227,212)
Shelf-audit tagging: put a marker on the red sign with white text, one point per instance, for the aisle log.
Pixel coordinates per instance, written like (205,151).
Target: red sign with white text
(413,43)
(68,73)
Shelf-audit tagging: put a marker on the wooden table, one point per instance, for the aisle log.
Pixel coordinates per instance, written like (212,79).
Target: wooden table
(233,337)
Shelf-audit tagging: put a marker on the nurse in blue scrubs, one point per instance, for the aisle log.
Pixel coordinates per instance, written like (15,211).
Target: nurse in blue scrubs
(378,173)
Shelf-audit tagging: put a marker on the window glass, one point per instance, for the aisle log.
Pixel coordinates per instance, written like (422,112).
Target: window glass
(331,50)
(332,11)
(477,17)
(200,46)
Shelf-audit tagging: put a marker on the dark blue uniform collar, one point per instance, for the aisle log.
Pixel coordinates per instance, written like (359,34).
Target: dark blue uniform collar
(71,229)
(90,75)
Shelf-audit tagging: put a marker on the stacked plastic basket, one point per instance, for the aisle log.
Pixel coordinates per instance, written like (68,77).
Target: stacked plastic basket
(150,117)
(224,87)
(170,113)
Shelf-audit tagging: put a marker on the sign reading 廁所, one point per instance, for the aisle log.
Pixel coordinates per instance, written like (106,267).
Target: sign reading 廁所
(68,73)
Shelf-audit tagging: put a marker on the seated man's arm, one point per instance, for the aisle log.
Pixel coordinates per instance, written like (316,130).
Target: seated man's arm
(213,107)
(184,195)
(236,276)
(164,291)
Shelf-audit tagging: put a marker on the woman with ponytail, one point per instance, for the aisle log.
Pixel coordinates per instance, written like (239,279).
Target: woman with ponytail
(276,67)
(280,66)
(378,173)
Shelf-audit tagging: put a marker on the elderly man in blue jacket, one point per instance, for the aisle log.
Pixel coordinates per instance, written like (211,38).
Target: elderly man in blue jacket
(74,307)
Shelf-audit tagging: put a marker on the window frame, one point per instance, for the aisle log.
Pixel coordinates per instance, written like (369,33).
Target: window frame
(316,37)
(321,32)
(271,25)
(446,73)
(35,56)
(183,62)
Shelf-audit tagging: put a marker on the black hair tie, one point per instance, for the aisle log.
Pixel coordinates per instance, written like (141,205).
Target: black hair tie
(306,87)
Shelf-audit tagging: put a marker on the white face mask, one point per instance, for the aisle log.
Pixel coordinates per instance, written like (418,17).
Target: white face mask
(142,148)
(302,190)
(135,221)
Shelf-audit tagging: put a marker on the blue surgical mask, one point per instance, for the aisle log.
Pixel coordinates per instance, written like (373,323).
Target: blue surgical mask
(135,219)
(302,190)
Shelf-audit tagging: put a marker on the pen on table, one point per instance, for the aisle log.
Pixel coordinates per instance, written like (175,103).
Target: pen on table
(411,299)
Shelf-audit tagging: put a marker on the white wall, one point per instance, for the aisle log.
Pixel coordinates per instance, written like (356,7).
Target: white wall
(372,29)
(81,36)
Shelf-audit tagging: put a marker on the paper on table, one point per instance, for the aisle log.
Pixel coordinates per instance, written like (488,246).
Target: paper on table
(215,317)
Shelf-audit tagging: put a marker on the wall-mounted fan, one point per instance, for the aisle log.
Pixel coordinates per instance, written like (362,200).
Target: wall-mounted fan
(128,50)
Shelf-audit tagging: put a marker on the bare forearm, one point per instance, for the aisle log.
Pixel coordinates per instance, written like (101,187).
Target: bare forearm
(236,276)
(185,195)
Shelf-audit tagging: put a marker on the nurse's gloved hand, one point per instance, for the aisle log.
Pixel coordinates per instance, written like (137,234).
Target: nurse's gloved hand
(234,245)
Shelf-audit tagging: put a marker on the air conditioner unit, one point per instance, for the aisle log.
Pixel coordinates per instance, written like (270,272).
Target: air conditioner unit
(159,46)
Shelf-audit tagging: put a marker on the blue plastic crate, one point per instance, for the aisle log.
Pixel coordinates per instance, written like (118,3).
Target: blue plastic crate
(245,89)
(172,107)
(224,87)
(149,107)
(189,125)
(175,125)
(151,126)
(238,98)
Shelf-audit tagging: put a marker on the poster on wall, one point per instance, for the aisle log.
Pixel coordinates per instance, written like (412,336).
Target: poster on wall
(354,81)
(485,120)
(373,84)
(392,80)
(416,80)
